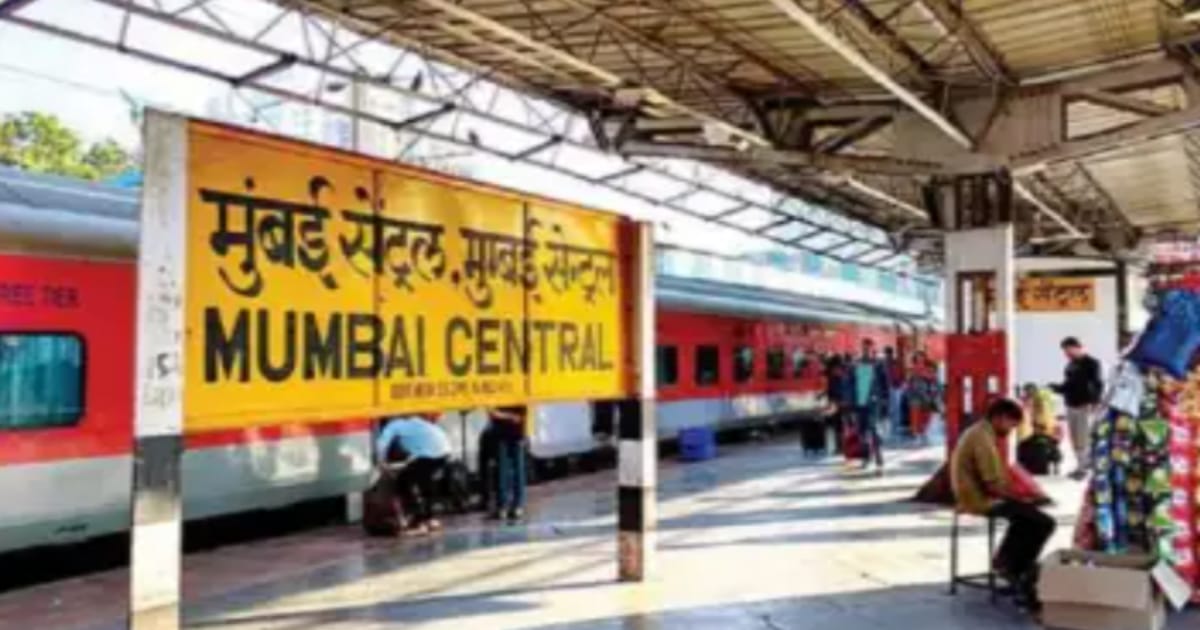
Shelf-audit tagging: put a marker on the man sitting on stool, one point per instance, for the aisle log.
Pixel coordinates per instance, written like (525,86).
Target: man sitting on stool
(427,448)
(982,486)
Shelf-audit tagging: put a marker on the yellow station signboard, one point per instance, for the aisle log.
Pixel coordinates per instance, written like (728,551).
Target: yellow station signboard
(324,285)
(1056,294)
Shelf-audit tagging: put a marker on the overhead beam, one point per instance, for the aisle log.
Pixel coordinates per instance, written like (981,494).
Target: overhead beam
(879,195)
(851,55)
(849,112)
(602,76)
(774,224)
(818,29)
(1028,195)
(889,37)
(538,148)
(802,84)
(417,119)
(780,157)
(279,65)
(951,17)
(1141,131)
(1122,102)
(621,174)
(1118,76)
(700,72)
(9,7)
(851,134)
(803,237)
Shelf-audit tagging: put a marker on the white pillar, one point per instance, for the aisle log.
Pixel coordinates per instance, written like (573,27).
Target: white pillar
(156,537)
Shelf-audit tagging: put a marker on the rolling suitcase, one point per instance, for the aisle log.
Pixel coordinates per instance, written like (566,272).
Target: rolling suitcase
(852,444)
(813,436)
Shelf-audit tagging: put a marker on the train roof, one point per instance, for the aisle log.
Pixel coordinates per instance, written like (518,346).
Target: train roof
(730,299)
(49,214)
(38,190)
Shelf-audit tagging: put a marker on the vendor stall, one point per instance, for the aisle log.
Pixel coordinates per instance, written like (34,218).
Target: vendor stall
(1144,491)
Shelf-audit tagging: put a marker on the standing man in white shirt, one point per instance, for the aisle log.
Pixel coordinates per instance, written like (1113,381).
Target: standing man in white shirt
(425,447)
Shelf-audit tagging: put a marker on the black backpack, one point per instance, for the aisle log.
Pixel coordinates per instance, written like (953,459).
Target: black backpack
(1037,453)
(455,486)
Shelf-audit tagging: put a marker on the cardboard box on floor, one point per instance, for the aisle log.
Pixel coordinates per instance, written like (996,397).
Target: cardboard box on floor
(1095,591)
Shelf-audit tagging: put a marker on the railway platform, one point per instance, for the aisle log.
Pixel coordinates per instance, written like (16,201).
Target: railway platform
(756,539)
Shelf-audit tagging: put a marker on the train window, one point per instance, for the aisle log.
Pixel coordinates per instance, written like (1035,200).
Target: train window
(708,365)
(667,365)
(41,380)
(743,364)
(799,362)
(776,364)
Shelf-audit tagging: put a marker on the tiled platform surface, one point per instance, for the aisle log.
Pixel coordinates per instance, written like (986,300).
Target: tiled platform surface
(757,539)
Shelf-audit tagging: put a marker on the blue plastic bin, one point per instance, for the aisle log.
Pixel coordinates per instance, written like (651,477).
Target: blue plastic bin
(697,444)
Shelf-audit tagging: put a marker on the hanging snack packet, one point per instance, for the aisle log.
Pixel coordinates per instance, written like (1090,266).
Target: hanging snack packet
(1127,388)
(1156,432)
(1172,336)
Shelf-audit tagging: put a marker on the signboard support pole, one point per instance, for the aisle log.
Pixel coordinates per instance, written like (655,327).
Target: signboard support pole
(156,533)
(637,427)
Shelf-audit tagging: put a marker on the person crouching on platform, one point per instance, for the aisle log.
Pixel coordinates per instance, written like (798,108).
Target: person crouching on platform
(982,486)
(509,429)
(425,448)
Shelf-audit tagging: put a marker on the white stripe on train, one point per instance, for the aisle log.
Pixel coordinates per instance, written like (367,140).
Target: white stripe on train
(69,501)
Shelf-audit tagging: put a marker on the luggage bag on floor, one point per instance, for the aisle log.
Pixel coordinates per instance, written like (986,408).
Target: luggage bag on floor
(852,444)
(382,514)
(813,436)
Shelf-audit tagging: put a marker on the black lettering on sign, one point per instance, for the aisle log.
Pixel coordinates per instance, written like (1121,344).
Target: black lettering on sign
(487,346)
(516,346)
(591,269)
(276,373)
(226,353)
(322,348)
(568,346)
(543,329)
(456,364)
(364,354)
(589,358)
(401,356)
(272,226)
(492,255)
(402,247)
(605,362)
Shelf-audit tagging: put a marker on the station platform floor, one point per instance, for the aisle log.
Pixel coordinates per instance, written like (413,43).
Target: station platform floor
(758,539)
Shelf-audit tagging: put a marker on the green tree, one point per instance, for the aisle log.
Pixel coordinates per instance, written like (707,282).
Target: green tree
(107,158)
(41,143)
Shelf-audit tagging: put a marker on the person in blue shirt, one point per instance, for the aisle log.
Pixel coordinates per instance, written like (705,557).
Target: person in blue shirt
(869,388)
(423,447)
